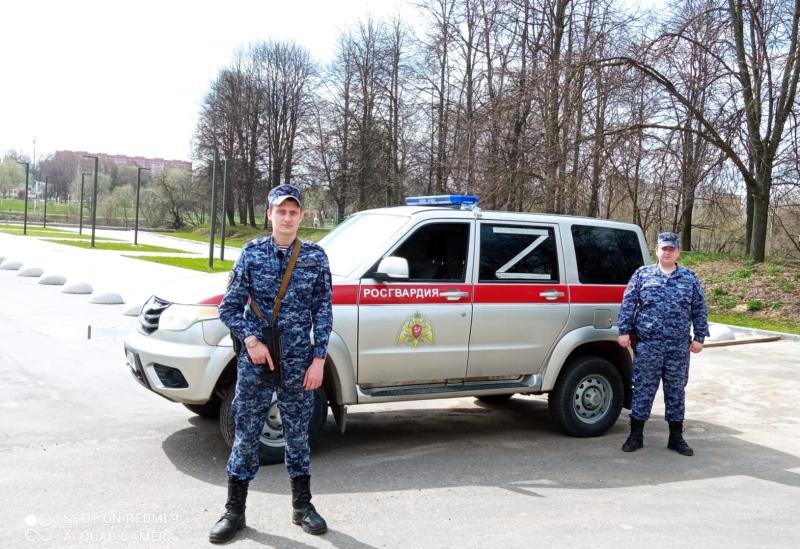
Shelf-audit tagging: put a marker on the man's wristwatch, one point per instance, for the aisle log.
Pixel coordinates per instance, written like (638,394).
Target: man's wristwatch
(250,341)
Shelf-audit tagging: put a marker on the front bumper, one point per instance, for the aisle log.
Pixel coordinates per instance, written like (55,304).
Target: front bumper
(180,366)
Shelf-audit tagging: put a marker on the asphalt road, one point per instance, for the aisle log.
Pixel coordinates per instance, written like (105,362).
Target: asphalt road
(88,458)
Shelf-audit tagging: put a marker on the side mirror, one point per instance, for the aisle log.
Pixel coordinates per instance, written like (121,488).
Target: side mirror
(392,269)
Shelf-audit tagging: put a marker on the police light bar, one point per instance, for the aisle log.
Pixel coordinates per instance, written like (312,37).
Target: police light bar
(463,200)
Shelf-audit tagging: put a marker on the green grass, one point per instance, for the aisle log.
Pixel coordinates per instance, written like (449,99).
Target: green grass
(691,258)
(197,237)
(47,233)
(118,246)
(194,263)
(15,227)
(241,234)
(18,205)
(750,322)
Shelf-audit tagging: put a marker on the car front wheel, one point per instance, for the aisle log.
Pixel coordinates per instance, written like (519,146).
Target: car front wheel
(271,442)
(587,399)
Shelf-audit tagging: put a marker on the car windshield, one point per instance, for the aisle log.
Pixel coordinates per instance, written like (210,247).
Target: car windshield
(348,244)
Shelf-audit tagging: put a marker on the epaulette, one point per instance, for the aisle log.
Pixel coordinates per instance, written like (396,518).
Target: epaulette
(256,242)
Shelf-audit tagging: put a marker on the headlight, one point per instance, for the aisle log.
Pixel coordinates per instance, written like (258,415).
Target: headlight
(177,318)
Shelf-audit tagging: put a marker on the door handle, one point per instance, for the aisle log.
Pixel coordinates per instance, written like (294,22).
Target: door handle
(551,295)
(454,295)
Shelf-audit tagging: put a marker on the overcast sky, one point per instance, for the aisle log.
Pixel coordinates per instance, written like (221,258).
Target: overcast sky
(128,77)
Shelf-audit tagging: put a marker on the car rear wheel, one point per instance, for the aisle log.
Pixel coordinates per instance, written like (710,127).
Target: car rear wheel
(271,442)
(587,399)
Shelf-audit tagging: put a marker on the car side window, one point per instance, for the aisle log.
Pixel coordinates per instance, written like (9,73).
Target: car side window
(518,253)
(436,251)
(606,255)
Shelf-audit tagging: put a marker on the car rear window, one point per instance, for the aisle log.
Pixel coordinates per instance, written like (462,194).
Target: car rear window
(606,255)
(518,253)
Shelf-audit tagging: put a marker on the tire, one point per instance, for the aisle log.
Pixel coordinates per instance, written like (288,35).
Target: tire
(271,444)
(495,399)
(209,409)
(588,396)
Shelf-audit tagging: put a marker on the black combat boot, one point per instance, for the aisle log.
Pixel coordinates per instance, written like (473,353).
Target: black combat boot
(303,512)
(636,438)
(233,519)
(676,441)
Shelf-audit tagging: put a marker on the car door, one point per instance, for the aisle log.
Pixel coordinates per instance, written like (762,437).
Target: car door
(417,331)
(520,301)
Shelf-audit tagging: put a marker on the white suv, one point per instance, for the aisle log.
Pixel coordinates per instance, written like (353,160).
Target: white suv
(429,301)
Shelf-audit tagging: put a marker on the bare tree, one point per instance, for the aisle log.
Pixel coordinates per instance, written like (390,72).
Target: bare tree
(764,79)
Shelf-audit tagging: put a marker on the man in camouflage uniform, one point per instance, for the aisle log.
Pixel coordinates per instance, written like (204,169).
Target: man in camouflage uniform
(257,276)
(660,303)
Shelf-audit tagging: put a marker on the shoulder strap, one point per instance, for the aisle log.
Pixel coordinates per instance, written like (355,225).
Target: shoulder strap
(276,309)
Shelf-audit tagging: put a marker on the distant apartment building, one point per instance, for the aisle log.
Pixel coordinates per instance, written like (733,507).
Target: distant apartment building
(155,165)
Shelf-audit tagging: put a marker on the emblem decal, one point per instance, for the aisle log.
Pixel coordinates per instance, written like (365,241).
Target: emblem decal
(231,278)
(416,331)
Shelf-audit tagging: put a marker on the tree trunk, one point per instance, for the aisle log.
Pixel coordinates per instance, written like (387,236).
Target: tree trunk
(749,222)
(242,210)
(760,218)
(686,220)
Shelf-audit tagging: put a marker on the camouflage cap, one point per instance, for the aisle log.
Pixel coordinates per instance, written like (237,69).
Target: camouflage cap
(668,239)
(282,192)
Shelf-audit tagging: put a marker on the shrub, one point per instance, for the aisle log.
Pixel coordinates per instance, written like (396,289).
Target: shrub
(755,305)
(776,305)
(744,273)
(772,269)
(719,291)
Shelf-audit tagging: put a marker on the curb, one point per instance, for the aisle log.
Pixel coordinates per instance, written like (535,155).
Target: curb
(763,333)
(741,341)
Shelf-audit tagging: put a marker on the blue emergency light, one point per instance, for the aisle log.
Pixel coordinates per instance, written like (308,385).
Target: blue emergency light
(464,201)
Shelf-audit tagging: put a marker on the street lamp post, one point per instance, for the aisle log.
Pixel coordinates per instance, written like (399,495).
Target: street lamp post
(224,209)
(80,215)
(25,215)
(44,219)
(94,197)
(213,210)
(136,218)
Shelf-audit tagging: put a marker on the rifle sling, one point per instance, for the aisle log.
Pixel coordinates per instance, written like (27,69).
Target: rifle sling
(276,309)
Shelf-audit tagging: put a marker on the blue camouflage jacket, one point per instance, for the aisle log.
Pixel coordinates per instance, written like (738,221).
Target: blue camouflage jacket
(257,274)
(659,306)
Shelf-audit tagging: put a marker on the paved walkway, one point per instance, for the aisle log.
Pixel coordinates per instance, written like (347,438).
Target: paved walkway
(156,239)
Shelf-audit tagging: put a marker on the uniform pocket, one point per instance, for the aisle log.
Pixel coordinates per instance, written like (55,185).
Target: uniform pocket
(303,279)
(651,294)
(683,294)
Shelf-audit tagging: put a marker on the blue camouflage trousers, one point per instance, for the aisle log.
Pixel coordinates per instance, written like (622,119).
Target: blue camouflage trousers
(250,404)
(656,360)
